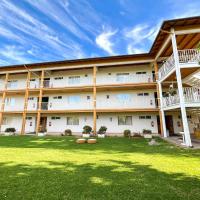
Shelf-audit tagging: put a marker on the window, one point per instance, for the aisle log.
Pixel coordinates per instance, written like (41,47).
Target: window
(124,98)
(86,75)
(122,77)
(32,79)
(31,98)
(74,99)
(125,120)
(55,118)
(141,117)
(58,78)
(28,118)
(145,117)
(88,97)
(10,101)
(12,83)
(141,72)
(74,80)
(72,121)
(109,74)
(107,96)
(57,97)
(143,94)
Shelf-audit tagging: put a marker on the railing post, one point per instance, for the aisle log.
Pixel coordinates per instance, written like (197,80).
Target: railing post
(180,90)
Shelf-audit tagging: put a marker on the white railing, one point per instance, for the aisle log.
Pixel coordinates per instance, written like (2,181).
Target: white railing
(167,66)
(191,96)
(189,56)
(132,78)
(186,56)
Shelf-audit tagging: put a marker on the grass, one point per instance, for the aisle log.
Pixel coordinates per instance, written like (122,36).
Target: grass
(56,168)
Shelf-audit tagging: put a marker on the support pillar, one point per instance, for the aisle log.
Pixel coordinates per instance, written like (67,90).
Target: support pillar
(25,103)
(3,99)
(180,90)
(40,102)
(159,94)
(94,100)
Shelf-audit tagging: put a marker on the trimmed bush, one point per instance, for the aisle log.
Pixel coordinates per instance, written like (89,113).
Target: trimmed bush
(87,129)
(102,130)
(147,131)
(10,130)
(127,133)
(68,132)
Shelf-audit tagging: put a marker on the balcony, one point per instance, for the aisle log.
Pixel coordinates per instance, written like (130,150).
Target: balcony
(187,58)
(191,99)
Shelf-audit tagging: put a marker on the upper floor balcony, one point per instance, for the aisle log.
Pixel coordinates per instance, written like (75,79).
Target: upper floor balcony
(79,81)
(187,58)
(191,99)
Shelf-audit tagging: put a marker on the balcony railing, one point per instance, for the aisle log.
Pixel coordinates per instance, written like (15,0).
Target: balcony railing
(134,78)
(186,56)
(191,96)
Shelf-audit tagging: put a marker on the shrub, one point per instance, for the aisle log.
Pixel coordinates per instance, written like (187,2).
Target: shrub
(87,129)
(127,133)
(102,130)
(147,131)
(137,135)
(10,130)
(68,132)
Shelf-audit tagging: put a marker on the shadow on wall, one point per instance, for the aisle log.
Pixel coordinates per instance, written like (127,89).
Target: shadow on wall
(117,181)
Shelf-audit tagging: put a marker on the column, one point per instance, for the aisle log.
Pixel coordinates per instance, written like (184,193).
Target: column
(3,99)
(159,95)
(40,102)
(25,103)
(180,90)
(94,100)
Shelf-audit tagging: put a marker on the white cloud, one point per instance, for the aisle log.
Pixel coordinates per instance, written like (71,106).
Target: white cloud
(104,40)
(134,50)
(13,53)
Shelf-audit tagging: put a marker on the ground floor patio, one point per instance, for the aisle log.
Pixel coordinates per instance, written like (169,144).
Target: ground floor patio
(114,168)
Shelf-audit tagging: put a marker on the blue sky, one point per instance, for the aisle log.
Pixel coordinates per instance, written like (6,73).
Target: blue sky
(49,30)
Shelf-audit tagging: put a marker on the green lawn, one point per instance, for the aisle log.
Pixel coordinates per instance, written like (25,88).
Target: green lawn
(56,168)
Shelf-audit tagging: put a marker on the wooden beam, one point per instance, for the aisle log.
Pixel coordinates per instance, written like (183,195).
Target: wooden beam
(158,95)
(3,99)
(40,102)
(25,103)
(94,100)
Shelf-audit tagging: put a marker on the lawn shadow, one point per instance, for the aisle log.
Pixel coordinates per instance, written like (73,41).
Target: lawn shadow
(118,180)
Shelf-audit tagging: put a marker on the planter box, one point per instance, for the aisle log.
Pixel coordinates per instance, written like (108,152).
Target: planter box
(147,136)
(101,135)
(85,135)
(8,133)
(41,134)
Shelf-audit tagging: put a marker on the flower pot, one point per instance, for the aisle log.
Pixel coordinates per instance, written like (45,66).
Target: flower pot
(41,134)
(101,135)
(147,136)
(85,135)
(91,141)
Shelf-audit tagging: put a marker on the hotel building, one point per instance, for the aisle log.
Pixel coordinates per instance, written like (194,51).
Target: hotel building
(158,90)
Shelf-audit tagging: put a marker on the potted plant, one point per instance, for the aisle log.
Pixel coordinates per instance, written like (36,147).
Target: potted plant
(10,131)
(102,131)
(86,131)
(127,133)
(147,133)
(68,132)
